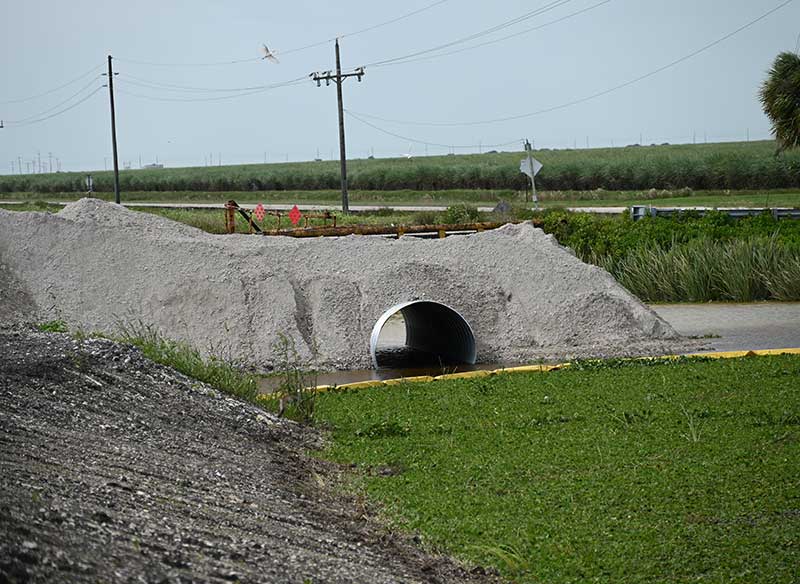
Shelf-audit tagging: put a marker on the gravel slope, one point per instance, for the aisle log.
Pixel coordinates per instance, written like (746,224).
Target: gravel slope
(96,264)
(115,469)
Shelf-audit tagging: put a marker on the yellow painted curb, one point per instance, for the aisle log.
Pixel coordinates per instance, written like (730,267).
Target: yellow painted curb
(777,352)
(362,384)
(530,369)
(523,369)
(755,353)
(415,379)
(466,374)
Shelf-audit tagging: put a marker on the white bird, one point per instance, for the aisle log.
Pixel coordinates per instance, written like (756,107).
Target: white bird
(268,54)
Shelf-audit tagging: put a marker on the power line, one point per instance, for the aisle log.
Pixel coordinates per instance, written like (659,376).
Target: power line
(288,51)
(594,95)
(171,87)
(416,141)
(48,92)
(363,30)
(297,81)
(76,104)
(528,15)
(58,105)
(504,38)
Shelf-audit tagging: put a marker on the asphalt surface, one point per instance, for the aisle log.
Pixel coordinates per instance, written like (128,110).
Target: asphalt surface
(319,207)
(737,327)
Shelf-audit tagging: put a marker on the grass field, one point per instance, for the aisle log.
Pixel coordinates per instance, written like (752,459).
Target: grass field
(733,165)
(483,198)
(678,472)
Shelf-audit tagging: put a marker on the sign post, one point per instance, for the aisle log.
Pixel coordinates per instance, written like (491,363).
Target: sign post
(531,167)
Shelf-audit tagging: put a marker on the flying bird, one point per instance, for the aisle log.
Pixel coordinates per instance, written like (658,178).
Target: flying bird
(268,54)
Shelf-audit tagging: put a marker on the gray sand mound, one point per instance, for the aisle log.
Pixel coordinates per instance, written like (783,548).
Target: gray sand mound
(96,264)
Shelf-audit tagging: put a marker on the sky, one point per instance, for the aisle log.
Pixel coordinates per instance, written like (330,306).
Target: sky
(562,73)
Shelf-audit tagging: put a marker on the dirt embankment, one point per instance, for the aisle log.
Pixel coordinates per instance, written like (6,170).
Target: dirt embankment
(115,469)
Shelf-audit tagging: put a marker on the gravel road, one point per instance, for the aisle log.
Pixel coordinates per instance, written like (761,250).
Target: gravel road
(115,469)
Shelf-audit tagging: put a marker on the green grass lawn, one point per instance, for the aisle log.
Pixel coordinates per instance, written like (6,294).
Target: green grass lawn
(677,472)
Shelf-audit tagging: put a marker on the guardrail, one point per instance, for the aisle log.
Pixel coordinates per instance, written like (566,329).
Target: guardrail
(641,211)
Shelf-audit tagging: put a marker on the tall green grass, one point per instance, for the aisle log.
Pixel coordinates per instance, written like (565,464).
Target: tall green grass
(735,165)
(757,268)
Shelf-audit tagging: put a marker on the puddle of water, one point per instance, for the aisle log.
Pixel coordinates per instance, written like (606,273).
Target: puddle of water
(398,362)
(270,384)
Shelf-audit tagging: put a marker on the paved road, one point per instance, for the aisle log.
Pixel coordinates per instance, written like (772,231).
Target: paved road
(758,325)
(316,207)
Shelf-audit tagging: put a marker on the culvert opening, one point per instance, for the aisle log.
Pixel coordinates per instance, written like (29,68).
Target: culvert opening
(421,333)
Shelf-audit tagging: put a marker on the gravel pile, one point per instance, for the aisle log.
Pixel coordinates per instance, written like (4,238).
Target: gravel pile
(96,265)
(115,469)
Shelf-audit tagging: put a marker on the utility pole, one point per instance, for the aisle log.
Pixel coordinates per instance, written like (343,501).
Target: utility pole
(113,130)
(338,79)
(19,159)
(50,161)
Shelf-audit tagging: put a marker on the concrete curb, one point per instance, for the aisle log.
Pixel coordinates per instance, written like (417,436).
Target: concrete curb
(529,369)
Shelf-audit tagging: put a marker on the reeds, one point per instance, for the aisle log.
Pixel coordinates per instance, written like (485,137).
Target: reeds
(701,270)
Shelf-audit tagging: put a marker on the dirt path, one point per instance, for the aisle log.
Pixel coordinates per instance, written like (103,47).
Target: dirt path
(114,469)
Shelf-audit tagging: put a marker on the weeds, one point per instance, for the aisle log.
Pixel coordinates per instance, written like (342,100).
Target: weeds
(693,425)
(53,326)
(513,562)
(296,396)
(223,374)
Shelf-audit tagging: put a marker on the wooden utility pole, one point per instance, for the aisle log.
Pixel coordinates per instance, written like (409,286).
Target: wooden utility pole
(338,79)
(113,130)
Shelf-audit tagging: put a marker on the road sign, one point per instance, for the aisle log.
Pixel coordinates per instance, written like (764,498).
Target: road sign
(525,166)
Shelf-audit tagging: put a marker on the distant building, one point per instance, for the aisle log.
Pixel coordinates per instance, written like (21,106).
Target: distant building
(151,166)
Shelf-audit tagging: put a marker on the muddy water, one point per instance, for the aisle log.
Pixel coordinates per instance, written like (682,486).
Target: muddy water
(727,327)
(396,360)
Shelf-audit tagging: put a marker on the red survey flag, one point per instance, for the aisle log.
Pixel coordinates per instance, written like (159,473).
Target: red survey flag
(259,212)
(294,215)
